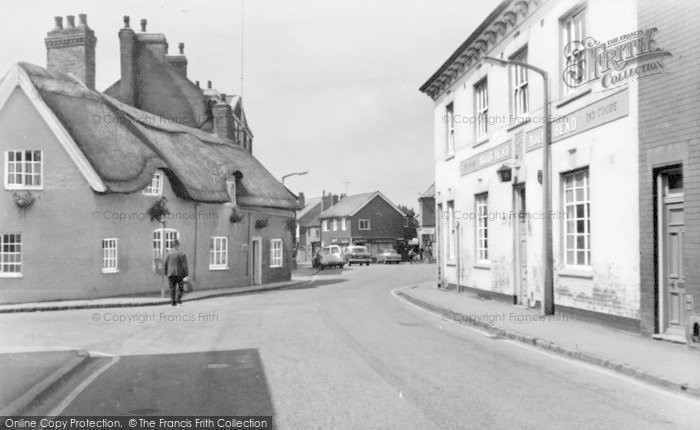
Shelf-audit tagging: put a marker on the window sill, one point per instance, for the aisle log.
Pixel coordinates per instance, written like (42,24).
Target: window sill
(107,271)
(480,141)
(275,266)
(218,268)
(151,195)
(527,120)
(10,275)
(575,272)
(450,156)
(450,261)
(23,188)
(485,265)
(571,97)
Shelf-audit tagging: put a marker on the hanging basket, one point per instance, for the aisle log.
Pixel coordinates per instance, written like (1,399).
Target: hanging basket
(158,210)
(23,200)
(261,223)
(236,215)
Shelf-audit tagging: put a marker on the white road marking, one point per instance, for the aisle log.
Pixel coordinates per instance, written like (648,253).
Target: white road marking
(83,385)
(582,364)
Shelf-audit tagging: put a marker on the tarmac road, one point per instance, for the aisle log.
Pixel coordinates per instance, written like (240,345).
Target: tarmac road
(342,353)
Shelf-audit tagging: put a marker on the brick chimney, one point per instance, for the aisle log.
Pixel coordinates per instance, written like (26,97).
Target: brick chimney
(301,200)
(223,120)
(127,47)
(72,49)
(179,62)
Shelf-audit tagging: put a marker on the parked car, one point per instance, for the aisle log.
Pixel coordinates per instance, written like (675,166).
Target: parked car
(388,256)
(330,256)
(357,254)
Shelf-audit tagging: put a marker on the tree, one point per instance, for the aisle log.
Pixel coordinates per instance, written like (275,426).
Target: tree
(410,228)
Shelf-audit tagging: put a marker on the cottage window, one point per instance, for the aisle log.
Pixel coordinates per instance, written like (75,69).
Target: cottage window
(325,225)
(23,170)
(481,102)
(156,186)
(577,218)
(231,189)
(518,77)
(449,119)
(10,255)
(110,256)
(482,227)
(165,237)
(363,224)
(218,253)
(276,253)
(342,224)
(573,30)
(335,224)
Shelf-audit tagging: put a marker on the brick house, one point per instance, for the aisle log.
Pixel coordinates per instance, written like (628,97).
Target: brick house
(81,169)
(363,219)
(669,176)
(310,224)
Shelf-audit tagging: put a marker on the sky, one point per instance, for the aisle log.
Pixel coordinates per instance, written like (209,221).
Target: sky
(329,87)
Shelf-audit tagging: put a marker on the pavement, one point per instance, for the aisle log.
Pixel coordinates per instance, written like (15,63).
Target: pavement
(669,365)
(302,275)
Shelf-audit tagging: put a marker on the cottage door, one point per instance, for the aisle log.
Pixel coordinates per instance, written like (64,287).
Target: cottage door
(257,261)
(673,276)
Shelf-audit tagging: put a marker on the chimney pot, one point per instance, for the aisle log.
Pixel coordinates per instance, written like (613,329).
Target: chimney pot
(197,83)
(223,98)
(166,47)
(181,46)
(71,21)
(209,84)
(144,22)
(83,19)
(126,21)
(59,22)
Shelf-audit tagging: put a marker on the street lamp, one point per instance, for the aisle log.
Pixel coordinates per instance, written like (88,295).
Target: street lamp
(293,174)
(547,257)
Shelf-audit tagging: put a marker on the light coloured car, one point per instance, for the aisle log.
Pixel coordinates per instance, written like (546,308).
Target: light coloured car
(358,255)
(330,256)
(388,256)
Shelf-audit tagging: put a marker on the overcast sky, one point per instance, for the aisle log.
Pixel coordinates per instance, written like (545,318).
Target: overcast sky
(329,86)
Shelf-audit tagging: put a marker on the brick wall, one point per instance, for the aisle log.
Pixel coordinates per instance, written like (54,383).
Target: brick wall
(668,134)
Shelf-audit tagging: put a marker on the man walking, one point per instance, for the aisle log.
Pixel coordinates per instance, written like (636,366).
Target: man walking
(176,271)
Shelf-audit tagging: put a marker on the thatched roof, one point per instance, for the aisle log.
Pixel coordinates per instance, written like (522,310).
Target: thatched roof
(125,146)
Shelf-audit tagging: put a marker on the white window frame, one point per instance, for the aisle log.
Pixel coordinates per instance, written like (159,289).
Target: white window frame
(15,254)
(156,242)
(156,186)
(343,224)
(276,252)
(110,255)
(231,190)
(576,197)
(23,165)
(481,108)
(218,253)
(451,239)
(573,28)
(335,224)
(520,98)
(325,225)
(366,223)
(481,202)
(450,127)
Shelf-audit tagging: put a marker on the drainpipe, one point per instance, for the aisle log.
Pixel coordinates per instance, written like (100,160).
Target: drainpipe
(194,255)
(251,270)
(459,261)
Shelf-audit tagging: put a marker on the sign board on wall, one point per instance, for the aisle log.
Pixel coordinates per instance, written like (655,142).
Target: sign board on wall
(598,113)
(486,158)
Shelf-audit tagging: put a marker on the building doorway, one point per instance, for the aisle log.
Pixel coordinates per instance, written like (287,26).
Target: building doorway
(520,244)
(670,228)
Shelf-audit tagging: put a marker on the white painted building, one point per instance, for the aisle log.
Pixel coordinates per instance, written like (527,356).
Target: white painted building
(488,117)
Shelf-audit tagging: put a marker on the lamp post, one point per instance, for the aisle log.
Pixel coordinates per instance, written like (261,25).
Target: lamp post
(293,174)
(547,257)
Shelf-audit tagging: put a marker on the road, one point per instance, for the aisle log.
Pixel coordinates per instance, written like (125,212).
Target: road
(342,352)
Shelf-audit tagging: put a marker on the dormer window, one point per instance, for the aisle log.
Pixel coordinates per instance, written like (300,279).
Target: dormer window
(156,187)
(231,189)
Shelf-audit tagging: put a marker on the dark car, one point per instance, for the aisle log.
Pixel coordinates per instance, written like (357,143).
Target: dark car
(357,254)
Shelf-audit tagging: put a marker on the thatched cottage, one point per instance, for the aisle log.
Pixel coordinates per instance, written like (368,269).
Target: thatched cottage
(98,185)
